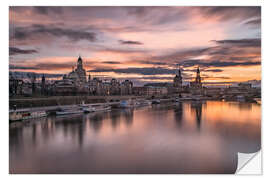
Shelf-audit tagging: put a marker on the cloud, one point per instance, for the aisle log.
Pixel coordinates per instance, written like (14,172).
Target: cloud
(254,22)
(131,42)
(143,71)
(111,62)
(39,31)
(14,67)
(213,70)
(20,74)
(201,63)
(15,51)
(230,12)
(225,50)
(45,10)
(204,70)
(152,62)
(241,42)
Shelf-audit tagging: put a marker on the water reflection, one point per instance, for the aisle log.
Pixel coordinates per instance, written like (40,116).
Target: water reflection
(178,114)
(196,108)
(165,138)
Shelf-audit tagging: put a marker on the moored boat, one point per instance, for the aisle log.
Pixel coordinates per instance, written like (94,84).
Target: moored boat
(128,104)
(24,114)
(96,108)
(144,102)
(68,111)
(88,109)
(155,101)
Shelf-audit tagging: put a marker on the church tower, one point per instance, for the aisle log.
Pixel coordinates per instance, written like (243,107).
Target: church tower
(177,81)
(198,77)
(43,85)
(180,76)
(80,72)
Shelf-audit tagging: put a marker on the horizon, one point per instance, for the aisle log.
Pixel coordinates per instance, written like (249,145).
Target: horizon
(147,46)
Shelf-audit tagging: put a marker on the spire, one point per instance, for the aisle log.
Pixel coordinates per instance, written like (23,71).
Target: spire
(79,63)
(198,70)
(179,72)
(198,77)
(43,78)
(79,59)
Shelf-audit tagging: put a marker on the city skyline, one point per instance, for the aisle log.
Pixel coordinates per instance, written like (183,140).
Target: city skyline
(144,44)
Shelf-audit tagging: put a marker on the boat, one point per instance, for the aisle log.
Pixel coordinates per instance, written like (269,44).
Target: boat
(156,101)
(102,108)
(88,109)
(144,103)
(83,105)
(128,104)
(68,111)
(176,100)
(24,114)
(96,109)
(240,98)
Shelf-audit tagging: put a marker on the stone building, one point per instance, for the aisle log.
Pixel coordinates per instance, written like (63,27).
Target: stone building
(196,87)
(126,87)
(74,82)
(156,91)
(177,82)
(79,74)
(15,86)
(197,84)
(114,87)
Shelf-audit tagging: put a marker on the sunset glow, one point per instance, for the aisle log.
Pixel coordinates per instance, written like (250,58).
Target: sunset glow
(143,44)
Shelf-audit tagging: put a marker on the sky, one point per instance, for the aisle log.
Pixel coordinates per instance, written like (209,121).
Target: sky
(143,44)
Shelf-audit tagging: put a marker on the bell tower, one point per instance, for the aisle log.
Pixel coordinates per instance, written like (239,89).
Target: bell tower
(198,77)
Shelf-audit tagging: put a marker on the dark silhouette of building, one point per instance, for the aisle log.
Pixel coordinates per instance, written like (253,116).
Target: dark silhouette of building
(177,81)
(197,83)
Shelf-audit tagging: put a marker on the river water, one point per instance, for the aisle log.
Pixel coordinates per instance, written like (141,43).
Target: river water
(187,137)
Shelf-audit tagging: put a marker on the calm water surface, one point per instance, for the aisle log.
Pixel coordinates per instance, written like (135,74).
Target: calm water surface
(188,137)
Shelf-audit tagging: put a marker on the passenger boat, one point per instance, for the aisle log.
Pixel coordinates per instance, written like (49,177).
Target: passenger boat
(144,102)
(90,108)
(102,108)
(68,111)
(24,114)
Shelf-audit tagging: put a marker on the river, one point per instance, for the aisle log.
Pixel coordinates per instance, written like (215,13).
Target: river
(185,137)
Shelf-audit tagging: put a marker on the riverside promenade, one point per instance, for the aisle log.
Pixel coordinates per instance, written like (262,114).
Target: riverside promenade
(56,101)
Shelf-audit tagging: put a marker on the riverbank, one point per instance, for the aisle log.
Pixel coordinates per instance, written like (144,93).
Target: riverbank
(63,100)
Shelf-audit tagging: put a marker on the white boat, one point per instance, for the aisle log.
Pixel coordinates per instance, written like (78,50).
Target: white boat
(24,114)
(102,108)
(88,109)
(96,109)
(128,104)
(83,105)
(144,103)
(68,111)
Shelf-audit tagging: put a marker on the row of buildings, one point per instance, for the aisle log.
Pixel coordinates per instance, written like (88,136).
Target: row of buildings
(74,83)
(78,83)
